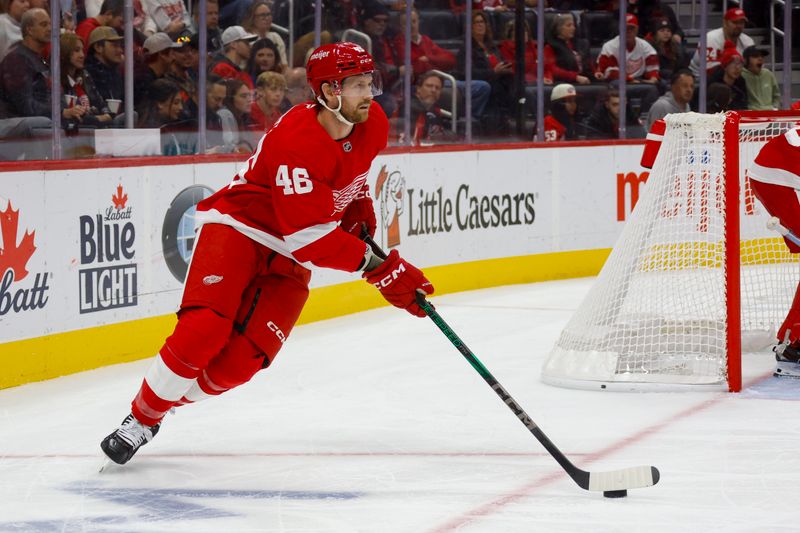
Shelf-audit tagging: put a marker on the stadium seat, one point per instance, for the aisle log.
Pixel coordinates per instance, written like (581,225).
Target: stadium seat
(598,27)
(440,24)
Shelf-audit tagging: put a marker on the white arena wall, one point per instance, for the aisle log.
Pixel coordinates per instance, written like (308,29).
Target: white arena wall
(91,250)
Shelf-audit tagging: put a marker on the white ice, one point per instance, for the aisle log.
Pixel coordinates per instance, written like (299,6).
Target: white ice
(375,423)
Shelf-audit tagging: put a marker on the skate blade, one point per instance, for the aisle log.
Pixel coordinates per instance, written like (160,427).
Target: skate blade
(105,465)
(779,374)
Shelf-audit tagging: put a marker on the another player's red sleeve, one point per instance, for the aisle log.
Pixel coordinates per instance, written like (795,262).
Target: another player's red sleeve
(653,143)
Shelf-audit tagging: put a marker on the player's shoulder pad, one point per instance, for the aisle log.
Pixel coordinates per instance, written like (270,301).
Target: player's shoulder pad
(297,129)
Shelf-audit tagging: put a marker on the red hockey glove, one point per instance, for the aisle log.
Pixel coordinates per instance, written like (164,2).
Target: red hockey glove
(359,211)
(398,282)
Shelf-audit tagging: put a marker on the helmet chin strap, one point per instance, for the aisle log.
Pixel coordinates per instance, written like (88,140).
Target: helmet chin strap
(336,112)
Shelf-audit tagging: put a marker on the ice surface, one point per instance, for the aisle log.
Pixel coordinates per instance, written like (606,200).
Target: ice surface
(375,423)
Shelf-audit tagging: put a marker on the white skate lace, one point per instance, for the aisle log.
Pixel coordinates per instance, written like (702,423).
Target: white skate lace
(134,432)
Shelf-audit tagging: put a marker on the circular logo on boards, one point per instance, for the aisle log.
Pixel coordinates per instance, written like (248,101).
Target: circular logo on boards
(178,232)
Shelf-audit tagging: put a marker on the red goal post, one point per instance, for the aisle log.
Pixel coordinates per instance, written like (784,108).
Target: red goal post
(695,279)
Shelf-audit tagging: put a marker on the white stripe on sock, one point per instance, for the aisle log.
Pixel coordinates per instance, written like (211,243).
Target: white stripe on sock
(165,383)
(196,394)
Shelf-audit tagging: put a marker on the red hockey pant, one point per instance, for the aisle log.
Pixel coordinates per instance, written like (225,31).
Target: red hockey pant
(240,302)
(782,202)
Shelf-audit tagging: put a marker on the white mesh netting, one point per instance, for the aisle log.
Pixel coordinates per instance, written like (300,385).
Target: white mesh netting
(656,315)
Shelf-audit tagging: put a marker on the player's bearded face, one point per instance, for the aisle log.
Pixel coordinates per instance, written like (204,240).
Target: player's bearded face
(357,94)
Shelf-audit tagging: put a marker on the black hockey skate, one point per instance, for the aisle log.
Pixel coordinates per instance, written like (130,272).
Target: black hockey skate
(787,357)
(126,440)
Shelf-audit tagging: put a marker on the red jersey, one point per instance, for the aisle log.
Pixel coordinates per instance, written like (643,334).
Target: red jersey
(296,185)
(553,129)
(778,162)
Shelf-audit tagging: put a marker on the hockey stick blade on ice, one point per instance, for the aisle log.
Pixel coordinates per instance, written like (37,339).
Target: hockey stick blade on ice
(613,483)
(774,223)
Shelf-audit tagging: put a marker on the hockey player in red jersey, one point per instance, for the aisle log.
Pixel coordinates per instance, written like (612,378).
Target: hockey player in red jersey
(775,179)
(301,201)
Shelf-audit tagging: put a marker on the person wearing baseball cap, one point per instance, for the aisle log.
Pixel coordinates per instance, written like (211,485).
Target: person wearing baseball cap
(560,123)
(183,72)
(763,93)
(732,29)
(642,59)
(158,54)
(103,62)
(729,72)
(671,55)
(236,43)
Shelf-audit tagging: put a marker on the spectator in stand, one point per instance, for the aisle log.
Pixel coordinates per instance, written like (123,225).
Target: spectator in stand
(110,15)
(671,56)
(263,58)
(676,100)
(718,98)
(213,33)
(103,63)
(258,21)
(566,56)
(459,6)
(271,88)
(425,54)
(235,116)
(236,44)
(162,109)
(729,72)
(641,60)
(428,121)
(488,65)
(561,122)
(183,73)
(603,122)
(10,32)
(216,90)
(650,11)
(374,19)
(297,89)
(732,30)
(168,16)
(762,87)
(508,50)
(93,9)
(158,58)
(25,75)
(78,87)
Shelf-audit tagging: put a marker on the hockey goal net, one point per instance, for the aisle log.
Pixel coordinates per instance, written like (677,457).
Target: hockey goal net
(695,278)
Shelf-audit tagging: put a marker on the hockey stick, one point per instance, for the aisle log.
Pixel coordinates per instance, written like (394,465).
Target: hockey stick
(774,223)
(613,484)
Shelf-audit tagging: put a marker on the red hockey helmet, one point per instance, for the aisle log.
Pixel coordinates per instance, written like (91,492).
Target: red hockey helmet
(332,63)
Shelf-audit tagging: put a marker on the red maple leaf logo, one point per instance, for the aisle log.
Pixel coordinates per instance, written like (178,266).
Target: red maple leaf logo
(119,199)
(14,256)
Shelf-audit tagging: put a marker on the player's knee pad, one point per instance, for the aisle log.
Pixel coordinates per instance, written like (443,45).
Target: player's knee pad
(200,335)
(237,363)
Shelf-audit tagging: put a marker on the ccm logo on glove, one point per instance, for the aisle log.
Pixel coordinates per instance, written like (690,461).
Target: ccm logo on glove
(384,282)
(398,281)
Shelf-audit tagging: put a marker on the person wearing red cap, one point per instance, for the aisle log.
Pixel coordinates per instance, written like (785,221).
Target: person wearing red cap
(732,30)
(729,72)
(641,59)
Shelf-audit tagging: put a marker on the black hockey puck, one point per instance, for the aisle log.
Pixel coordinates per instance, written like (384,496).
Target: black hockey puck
(615,493)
